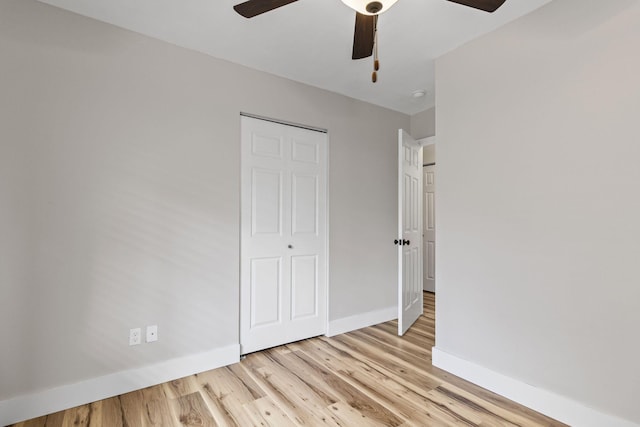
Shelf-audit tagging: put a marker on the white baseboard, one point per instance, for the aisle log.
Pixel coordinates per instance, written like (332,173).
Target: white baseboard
(359,321)
(68,396)
(548,403)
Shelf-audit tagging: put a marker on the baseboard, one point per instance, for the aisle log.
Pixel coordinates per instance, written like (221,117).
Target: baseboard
(550,404)
(68,396)
(359,321)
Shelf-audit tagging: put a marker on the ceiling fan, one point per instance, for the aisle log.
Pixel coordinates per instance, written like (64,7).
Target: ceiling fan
(367,11)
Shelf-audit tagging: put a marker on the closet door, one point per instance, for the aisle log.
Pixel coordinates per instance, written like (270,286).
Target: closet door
(283,234)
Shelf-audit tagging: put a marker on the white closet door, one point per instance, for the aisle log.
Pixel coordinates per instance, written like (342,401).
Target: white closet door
(283,234)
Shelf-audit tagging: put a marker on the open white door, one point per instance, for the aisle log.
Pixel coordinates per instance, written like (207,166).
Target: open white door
(409,231)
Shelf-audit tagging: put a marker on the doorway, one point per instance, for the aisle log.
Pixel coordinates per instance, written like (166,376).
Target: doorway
(429,280)
(429,213)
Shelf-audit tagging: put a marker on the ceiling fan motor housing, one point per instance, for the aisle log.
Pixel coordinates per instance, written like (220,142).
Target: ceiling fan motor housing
(369,7)
(374,7)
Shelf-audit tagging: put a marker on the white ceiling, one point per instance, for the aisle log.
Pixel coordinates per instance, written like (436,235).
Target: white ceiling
(310,41)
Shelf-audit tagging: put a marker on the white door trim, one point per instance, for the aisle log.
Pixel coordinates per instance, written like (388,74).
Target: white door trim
(430,140)
(328,232)
(284,122)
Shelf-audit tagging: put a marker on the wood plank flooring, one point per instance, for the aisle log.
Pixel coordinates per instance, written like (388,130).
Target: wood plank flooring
(369,377)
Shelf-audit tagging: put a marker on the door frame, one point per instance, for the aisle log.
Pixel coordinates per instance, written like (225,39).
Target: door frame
(424,142)
(430,140)
(326,211)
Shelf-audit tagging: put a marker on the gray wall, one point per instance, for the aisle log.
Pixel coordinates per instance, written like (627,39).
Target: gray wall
(538,207)
(119,196)
(423,124)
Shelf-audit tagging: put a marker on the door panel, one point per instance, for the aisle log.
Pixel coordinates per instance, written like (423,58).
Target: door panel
(305,152)
(283,234)
(304,276)
(414,206)
(410,232)
(266,145)
(406,208)
(305,204)
(266,278)
(266,202)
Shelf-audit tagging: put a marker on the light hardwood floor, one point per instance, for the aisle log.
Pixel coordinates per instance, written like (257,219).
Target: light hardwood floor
(369,377)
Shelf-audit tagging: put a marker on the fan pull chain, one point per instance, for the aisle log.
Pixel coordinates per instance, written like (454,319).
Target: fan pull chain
(376,62)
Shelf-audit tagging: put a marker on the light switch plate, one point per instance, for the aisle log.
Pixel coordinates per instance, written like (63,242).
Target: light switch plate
(152,333)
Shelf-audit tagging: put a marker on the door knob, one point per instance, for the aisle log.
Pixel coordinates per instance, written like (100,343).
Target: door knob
(395,242)
(290,246)
(406,242)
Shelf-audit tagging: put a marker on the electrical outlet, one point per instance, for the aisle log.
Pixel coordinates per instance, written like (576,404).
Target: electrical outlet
(152,333)
(135,336)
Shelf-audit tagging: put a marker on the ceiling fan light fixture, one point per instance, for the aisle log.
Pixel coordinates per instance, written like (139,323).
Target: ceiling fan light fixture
(369,7)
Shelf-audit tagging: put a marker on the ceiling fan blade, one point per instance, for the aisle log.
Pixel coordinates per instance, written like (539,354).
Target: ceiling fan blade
(364,36)
(486,5)
(252,8)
